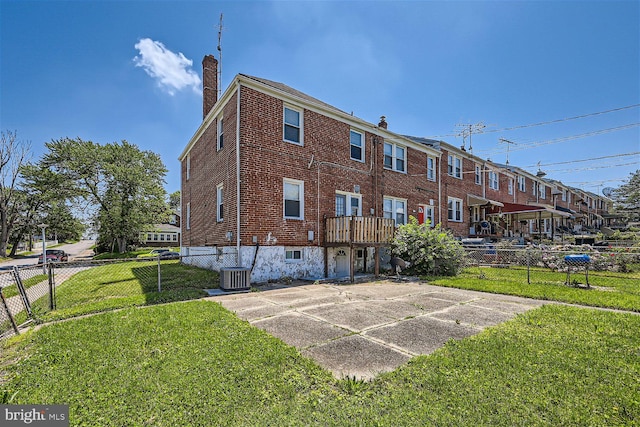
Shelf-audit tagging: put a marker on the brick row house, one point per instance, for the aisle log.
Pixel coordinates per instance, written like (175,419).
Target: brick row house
(291,186)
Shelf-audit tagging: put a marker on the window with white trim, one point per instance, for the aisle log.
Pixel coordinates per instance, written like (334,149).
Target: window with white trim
(356,144)
(293,195)
(564,195)
(542,189)
(478,174)
(475,213)
(568,197)
(534,190)
(431,168)
(292,126)
(522,184)
(494,182)
(454,166)
(395,157)
(220,143)
(188,216)
(510,185)
(395,208)
(188,166)
(293,255)
(454,209)
(220,202)
(348,204)
(429,215)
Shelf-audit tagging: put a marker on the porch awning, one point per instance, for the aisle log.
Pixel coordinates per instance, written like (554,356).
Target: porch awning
(525,212)
(479,201)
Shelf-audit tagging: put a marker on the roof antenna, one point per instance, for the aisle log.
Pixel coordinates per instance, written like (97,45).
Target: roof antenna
(506,141)
(220,57)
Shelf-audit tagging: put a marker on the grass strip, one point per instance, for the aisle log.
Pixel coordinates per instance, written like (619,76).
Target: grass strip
(194,363)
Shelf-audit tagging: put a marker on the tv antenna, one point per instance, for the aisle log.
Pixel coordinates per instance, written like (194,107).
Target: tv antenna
(220,28)
(506,141)
(469,129)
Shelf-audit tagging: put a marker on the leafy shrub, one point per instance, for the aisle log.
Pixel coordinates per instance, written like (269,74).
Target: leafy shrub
(431,251)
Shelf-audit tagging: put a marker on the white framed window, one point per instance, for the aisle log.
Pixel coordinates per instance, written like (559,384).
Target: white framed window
(395,157)
(564,195)
(220,143)
(293,195)
(431,168)
(454,166)
(534,184)
(542,190)
(494,182)
(220,203)
(293,255)
(395,208)
(188,225)
(522,184)
(478,174)
(292,126)
(454,209)
(568,197)
(510,185)
(356,145)
(348,204)
(188,166)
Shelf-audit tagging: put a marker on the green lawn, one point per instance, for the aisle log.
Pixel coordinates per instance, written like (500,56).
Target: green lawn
(196,364)
(125,284)
(611,290)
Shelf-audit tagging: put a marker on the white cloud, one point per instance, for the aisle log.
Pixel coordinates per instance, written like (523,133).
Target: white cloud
(172,71)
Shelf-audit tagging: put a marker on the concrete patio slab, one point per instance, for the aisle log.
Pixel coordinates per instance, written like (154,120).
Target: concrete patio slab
(421,335)
(364,329)
(367,358)
(300,331)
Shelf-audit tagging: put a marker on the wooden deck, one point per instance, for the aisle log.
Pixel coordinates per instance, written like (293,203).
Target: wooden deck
(358,231)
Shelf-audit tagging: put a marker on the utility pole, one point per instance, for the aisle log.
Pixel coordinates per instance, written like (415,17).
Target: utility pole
(506,141)
(469,129)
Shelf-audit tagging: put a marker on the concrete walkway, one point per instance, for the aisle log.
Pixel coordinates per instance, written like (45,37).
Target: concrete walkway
(362,330)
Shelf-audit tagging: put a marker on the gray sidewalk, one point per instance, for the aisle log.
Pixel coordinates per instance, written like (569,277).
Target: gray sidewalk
(365,329)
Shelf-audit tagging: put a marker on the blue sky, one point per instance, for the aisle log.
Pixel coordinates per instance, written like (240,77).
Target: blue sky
(111,70)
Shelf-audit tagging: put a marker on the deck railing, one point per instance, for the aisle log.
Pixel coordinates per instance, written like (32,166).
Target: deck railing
(359,230)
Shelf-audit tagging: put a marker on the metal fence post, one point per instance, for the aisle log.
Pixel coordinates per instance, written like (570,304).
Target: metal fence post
(22,290)
(528,267)
(52,288)
(159,276)
(9,315)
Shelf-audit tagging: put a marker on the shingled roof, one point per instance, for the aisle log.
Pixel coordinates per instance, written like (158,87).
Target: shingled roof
(291,91)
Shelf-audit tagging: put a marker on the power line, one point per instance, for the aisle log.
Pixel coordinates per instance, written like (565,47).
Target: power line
(565,138)
(586,160)
(548,122)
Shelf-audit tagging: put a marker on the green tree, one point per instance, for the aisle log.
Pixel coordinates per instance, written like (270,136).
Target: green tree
(174,201)
(13,154)
(627,197)
(123,182)
(432,251)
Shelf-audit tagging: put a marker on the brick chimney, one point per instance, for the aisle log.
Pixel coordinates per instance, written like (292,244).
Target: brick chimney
(383,122)
(209,84)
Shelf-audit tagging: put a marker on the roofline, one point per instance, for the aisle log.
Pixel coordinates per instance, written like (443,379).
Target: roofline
(324,109)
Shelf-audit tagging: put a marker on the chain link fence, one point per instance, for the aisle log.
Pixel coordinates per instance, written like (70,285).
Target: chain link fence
(572,265)
(57,290)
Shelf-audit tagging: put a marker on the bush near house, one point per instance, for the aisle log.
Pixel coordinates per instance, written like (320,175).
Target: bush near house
(430,250)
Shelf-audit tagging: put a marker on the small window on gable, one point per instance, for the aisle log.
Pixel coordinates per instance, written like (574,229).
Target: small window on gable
(292,125)
(356,143)
(220,203)
(220,133)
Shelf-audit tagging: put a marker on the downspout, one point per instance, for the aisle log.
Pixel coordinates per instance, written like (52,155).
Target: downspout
(440,188)
(238,176)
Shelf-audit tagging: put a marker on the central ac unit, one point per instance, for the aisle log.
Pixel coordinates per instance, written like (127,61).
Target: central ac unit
(235,278)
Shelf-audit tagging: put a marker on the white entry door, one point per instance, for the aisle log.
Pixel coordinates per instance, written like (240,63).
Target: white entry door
(342,263)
